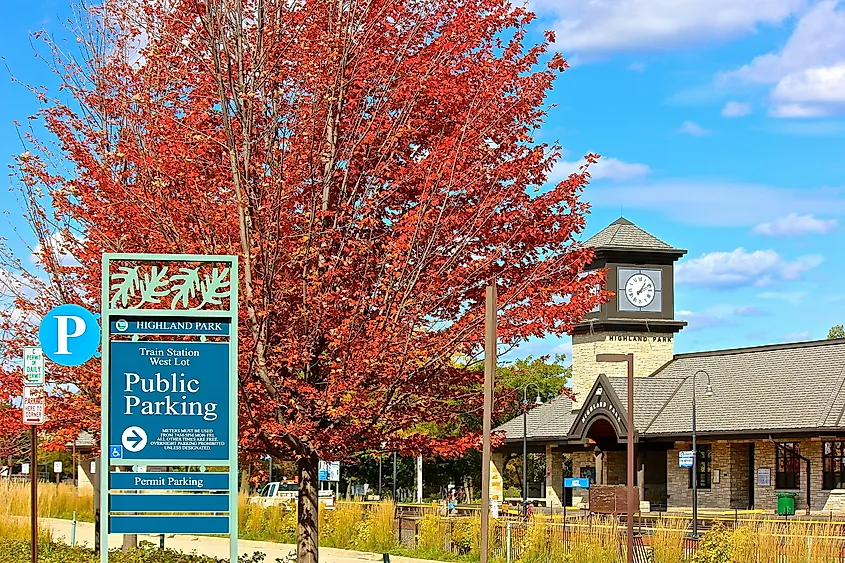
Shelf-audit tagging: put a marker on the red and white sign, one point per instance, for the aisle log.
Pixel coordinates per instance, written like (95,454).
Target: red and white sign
(33,406)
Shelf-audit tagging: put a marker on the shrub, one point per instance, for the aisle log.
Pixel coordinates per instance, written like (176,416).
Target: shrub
(17,551)
(714,546)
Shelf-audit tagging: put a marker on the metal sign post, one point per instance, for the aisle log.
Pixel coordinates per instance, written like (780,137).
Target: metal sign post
(33,415)
(169,395)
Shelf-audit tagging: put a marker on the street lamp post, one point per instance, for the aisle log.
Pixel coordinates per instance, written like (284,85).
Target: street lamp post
(629,359)
(537,401)
(707,393)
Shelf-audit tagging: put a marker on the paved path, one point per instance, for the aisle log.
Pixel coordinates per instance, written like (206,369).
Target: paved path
(217,547)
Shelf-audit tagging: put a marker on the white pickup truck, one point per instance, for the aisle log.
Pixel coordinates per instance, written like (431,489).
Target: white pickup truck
(275,493)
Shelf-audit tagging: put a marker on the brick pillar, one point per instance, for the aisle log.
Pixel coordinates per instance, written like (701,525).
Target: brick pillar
(600,470)
(84,476)
(497,487)
(554,477)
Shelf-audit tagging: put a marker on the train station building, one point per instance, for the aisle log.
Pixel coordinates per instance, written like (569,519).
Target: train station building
(769,419)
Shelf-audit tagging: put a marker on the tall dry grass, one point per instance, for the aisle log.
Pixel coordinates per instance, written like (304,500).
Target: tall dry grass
(667,541)
(54,501)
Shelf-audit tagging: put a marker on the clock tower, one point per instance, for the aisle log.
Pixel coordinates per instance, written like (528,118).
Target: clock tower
(639,319)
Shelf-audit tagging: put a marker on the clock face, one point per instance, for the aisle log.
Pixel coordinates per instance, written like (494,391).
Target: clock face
(640,290)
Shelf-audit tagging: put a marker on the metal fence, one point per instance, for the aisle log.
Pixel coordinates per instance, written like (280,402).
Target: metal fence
(511,539)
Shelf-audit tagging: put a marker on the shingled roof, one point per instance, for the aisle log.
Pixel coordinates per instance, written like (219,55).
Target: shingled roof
(780,388)
(624,235)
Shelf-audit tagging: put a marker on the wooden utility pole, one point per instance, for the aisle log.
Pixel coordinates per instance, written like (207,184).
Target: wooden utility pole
(489,374)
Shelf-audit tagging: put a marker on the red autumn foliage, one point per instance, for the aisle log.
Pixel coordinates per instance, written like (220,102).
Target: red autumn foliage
(372,163)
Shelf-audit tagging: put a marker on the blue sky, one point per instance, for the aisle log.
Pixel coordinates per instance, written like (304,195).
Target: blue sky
(722,126)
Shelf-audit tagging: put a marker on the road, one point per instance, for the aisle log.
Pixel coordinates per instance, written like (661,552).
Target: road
(217,547)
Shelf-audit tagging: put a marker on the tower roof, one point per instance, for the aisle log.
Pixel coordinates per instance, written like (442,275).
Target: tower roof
(624,235)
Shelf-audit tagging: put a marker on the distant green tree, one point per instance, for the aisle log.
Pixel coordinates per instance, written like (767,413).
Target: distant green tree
(837,331)
(549,378)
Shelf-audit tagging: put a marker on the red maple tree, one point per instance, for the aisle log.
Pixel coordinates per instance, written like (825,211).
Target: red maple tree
(373,164)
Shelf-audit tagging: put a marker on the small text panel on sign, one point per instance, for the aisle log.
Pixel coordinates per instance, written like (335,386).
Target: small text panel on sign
(185,502)
(169,525)
(576,483)
(170,400)
(169,481)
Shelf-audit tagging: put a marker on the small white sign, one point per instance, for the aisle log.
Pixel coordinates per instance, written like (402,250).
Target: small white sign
(33,406)
(25,468)
(686,458)
(57,467)
(33,366)
(764,477)
(93,467)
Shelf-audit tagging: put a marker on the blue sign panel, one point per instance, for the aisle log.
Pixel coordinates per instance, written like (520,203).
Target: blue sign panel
(211,327)
(575,483)
(170,400)
(686,459)
(69,335)
(169,525)
(169,481)
(169,503)
(169,393)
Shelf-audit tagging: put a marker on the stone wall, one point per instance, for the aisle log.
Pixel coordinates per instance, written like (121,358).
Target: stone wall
(616,467)
(678,478)
(581,459)
(651,351)
(731,460)
(554,477)
(497,487)
(739,460)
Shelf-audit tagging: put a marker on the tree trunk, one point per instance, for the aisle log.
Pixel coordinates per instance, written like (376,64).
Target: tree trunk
(307,548)
(246,470)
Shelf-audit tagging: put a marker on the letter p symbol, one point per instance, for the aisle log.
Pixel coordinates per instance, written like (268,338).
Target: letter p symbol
(64,323)
(63,336)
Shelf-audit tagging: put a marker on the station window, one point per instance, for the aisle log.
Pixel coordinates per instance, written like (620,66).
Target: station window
(833,465)
(705,459)
(788,466)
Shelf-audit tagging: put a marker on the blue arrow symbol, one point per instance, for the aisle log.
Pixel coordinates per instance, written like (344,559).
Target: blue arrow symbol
(134,438)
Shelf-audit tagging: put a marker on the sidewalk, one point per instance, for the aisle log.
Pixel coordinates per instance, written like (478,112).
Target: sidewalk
(216,547)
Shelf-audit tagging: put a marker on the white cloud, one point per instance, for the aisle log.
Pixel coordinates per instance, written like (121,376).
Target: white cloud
(736,109)
(60,249)
(809,71)
(697,321)
(723,270)
(718,203)
(750,311)
(718,315)
(607,26)
(607,168)
(794,224)
(794,336)
(693,128)
(791,297)
(564,347)
(813,92)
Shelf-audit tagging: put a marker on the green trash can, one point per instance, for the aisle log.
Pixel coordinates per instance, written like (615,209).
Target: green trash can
(786,504)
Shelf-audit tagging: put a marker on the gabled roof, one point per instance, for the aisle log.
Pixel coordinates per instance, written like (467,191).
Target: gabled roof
(547,421)
(624,235)
(767,389)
